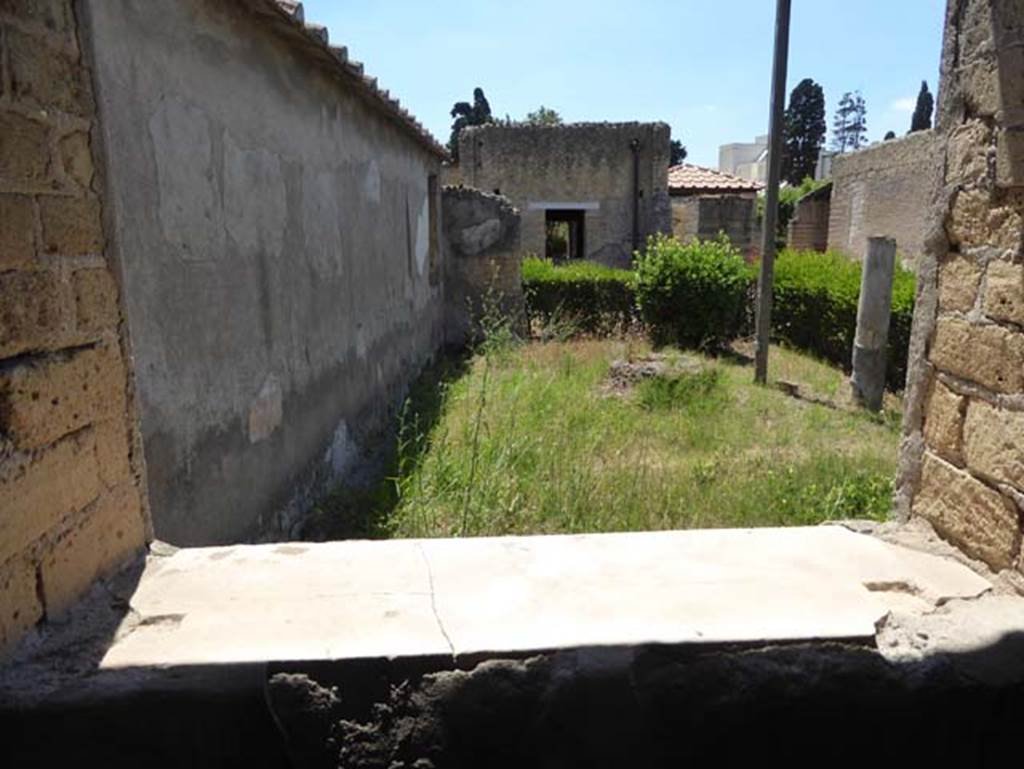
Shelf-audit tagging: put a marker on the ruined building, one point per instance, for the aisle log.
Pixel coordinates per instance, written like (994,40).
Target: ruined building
(601,188)
(707,203)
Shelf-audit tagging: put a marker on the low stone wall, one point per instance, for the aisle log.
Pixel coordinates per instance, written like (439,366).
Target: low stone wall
(884,190)
(962,457)
(72,502)
(482,261)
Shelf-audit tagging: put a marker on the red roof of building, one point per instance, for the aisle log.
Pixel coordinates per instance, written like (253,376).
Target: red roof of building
(686,178)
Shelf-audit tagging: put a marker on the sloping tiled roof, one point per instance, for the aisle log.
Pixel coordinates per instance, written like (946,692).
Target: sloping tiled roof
(688,178)
(314,38)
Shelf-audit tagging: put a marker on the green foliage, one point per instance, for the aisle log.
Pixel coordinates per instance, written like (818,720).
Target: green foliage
(691,294)
(804,131)
(543,116)
(921,120)
(815,308)
(701,391)
(593,298)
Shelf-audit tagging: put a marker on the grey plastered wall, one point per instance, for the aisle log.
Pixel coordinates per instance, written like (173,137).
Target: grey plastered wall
(578,163)
(884,190)
(282,280)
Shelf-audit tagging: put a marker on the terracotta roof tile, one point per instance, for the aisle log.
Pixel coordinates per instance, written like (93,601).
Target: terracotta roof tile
(317,35)
(690,178)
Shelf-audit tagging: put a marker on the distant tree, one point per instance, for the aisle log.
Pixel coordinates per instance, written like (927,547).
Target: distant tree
(804,131)
(677,152)
(890,135)
(543,116)
(850,125)
(922,117)
(466,114)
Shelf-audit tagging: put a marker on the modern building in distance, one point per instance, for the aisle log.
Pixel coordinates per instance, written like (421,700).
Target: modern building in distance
(747,160)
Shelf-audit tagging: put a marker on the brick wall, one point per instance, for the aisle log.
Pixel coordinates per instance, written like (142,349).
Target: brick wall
(884,190)
(708,216)
(808,229)
(71,501)
(962,457)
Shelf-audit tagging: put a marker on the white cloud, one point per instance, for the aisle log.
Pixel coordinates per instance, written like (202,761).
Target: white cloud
(904,105)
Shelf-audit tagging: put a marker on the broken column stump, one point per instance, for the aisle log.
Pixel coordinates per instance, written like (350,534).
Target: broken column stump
(873,311)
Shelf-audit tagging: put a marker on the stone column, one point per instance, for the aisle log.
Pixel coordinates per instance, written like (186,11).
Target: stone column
(873,311)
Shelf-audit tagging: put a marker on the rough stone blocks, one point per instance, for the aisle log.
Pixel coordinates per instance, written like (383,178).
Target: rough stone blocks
(943,421)
(990,355)
(31,312)
(1004,292)
(42,401)
(71,226)
(51,15)
(977,221)
(38,489)
(105,537)
(992,443)
(959,279)
(96,306)
(46,76)
(24,154)
(979,519)
(17,235)
(20,608)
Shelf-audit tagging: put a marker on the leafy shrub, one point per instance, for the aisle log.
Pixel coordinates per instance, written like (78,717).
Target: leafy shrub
(815,309)
(591,297)
(691,294)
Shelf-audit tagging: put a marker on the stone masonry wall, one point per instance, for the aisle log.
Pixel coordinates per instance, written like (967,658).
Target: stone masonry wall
(579,164)
(72,501)
(808,229)
(962,455)
(884,190)
(482,261)
(707,216)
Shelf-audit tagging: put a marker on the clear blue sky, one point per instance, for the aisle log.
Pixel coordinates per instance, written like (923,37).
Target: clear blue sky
(703,66)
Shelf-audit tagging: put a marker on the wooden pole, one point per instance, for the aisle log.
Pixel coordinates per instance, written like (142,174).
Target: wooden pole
(771,202)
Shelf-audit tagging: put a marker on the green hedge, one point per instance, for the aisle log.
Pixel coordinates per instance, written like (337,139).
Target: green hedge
(815,309)
(692,294)
(589,297)
(700,295)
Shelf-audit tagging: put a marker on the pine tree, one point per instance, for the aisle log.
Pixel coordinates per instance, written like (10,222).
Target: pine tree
(922,117)
(804,131)
(850,125)
(466,114)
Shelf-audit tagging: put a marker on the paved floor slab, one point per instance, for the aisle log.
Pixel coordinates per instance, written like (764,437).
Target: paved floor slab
(410,598)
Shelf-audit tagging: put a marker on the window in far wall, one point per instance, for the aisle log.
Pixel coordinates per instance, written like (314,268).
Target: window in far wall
(433,205)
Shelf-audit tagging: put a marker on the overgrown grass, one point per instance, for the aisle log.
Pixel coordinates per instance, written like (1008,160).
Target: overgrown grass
(528,442)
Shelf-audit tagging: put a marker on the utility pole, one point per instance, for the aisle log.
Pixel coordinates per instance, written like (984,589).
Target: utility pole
(771,201)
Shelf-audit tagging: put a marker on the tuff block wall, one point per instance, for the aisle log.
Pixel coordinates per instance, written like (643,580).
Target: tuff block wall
(962,461)
(72,499)
(280,239)
(708,216)
(483,262)
(808,229)
(884,190)
(589,164)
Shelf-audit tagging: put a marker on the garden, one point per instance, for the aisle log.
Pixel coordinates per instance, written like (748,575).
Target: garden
(631,406)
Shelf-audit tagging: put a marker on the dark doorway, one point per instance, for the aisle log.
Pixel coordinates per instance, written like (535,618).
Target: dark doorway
(563,235)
